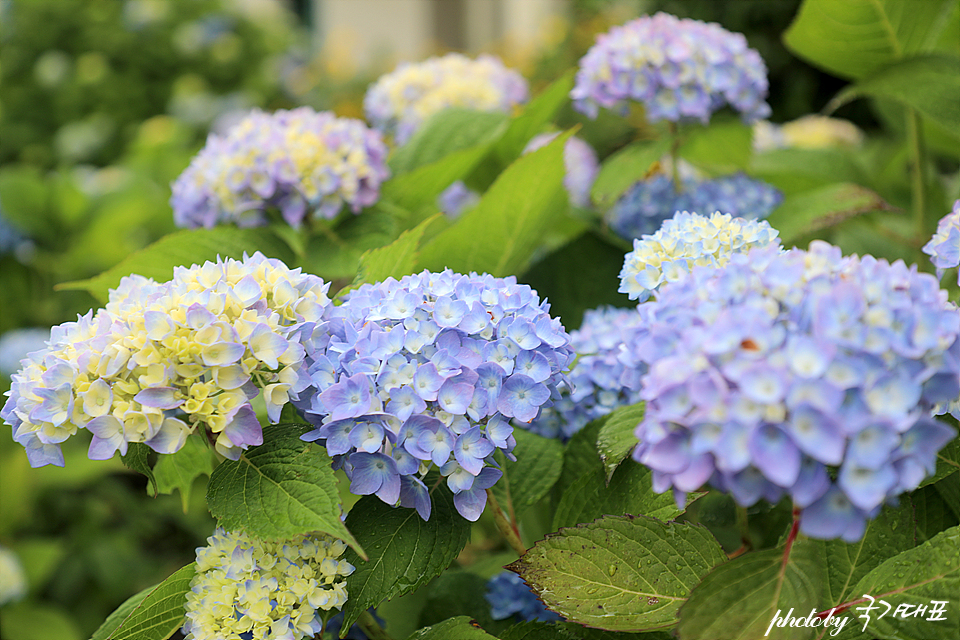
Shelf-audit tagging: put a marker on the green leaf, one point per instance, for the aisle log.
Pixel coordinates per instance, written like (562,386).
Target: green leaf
(721,148)
(405,552)
(152,614)
(624,168)
(179,470)
(572,631)
(188,247)
(459,628)
(455,593)
(279,489)
(537,469)
(795,170)
(137,459)
(929,84)
(805,213)
(928,572)
(26,620)
(616,439)
(536,113)
(499,236)
(933,515)
(581,455)
(739,599)
(334,253)
(620,573)
(395,260)
(447,131)
(26,199)
(949,490)
(854,38)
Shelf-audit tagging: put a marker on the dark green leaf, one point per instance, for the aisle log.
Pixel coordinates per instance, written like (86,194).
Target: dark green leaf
(929,84)
(624,168)
(804,213)
(187,247)
(443,133)
(334,253)
(949,490)
(616,439)
(458,628)
(153,614)
(620,573)
(179,470)
(499,236)
(537,469)
(405,552)
(854,38)
(572,631)
(739,599)
(458,593)
(138,459)
(279,489)
(581,455)
(932,513)
(395,260)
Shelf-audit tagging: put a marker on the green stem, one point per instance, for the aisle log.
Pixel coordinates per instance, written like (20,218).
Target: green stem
(917,170)
(675,157)
(371,628)
(507,529)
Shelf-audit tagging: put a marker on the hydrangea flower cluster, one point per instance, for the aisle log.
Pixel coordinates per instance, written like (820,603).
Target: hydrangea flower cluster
(767,373)
(579,162)
(402,100)
(648,203)
(300,162)
(250,588)
(163,360)
(429,371)
(811,131)
(679,69)
(944,246)
(686,241)
(509,596)
(596,377)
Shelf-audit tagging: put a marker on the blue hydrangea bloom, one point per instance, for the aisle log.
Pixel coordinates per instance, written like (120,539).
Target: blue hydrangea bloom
(944,246)
(596,377)
(648,203)
(427,373)
(766,373)
(686,241)
(302,163)
(401,101)
(579,163)
(509,596)
(678,69)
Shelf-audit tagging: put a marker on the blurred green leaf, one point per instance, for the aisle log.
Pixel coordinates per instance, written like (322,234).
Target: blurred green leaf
(616,439)
(447,131)
(796,170)
(854,38)
(458,593)
(25,197)
(395,260)
(805,213)
(279,489)
(722,147)
(177,471)
(500,235)
(152,614)
(929,84)
(459,628)
(535,115)
(29,621)
(620,573)
(188,247)
(624,168)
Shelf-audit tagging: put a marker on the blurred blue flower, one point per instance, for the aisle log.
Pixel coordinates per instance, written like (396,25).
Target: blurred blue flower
(944,247)
(579,163)
(509,595)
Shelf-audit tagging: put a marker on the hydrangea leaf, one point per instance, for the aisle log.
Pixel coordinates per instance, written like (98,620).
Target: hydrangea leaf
(920,575)
(405,552)
(581,455)
(137,459)
(336,255)
(179,470)
(459,627)
(804,213)
(443,133)
(537,469)
(852,39)
(397,259)
(279,489)
(536,630)
(457,592)
(191,246)
(153,614)
(948,462)
(625,167)
(500,234)
(529,122)
(929,84)
(949,490)
(723,147)
(620,573)
(616,439)
(796,170)
(739,599)
(931,512)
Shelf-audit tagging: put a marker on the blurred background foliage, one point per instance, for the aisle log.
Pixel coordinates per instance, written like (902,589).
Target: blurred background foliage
(105,102)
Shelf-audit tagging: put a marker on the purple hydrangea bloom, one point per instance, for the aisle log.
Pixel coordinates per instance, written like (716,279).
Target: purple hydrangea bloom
(763,374)
(426,373)
(649,203)
(301,163)
(678,69)
(579,163)
(401,101)
(596,377)
(944,246)
(509,596)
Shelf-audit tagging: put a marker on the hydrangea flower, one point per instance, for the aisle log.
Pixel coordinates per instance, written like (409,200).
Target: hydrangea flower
(13,581)
(811,131)
(596,377)
(164,360)
(766,374)
(509,596)
(579,162)
(428,372)
(300,162)
(679,69)
(271,590)
(402,100)
(648,203)
(686,241)
(944,246)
